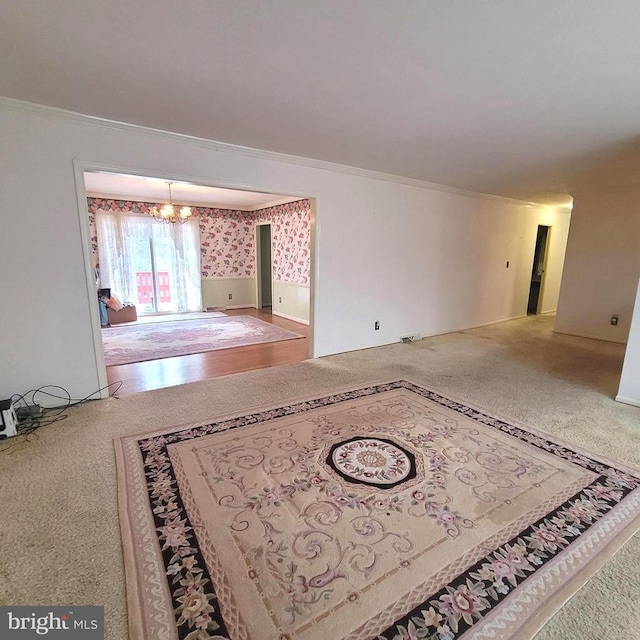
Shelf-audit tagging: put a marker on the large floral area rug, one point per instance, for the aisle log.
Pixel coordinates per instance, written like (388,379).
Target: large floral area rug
(135,343)
(382,512)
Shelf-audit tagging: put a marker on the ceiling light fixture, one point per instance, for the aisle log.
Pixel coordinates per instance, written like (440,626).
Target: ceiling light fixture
(168,212)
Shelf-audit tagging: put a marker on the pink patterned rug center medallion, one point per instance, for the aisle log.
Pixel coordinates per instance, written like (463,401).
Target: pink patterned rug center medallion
(124,344)
(372,461)
(387,511)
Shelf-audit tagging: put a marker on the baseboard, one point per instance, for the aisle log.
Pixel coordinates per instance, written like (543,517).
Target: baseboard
(466,328)
(288,317)
(238,306)
(633,403)
(591,337)
(488,324)
(478,326)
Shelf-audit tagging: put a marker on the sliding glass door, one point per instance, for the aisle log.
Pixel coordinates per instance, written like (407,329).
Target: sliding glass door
(155,266)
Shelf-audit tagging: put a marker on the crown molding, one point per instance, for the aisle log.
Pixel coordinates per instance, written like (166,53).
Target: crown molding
(276,203)
(176,201)
(225,147)
(194,203)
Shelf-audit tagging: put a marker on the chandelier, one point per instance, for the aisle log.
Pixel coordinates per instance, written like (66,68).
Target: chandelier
(167,213)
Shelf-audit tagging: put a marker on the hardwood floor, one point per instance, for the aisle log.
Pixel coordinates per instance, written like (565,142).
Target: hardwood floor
(157,374)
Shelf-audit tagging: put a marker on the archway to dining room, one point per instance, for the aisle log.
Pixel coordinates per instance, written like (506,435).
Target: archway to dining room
(176,266)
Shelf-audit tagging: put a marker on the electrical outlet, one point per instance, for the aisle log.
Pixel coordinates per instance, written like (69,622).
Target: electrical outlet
(376,325)
(230,296)
(614,321)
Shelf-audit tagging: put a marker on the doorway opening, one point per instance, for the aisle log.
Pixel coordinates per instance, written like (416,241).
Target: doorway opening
(264,266)
(540,255)
(226,243)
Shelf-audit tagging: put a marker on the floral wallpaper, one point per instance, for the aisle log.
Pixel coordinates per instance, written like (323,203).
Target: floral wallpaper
(290,233)
(227,238)
(227,243)
(93,235)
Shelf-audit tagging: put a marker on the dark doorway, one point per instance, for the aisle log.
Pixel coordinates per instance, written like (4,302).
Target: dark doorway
(538,270)
(265,266)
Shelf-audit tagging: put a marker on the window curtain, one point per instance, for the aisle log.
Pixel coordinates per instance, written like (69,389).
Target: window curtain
(129,245)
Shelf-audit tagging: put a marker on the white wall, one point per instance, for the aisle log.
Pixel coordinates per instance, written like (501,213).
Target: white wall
(602,266)
(415,258)
(629,390)
(216,291)
(291,301)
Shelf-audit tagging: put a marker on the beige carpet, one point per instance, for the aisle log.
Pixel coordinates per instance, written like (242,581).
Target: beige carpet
(59,533)
(364,513)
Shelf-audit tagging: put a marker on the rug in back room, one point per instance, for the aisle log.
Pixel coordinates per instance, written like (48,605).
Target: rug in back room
(124,344)
(388,511)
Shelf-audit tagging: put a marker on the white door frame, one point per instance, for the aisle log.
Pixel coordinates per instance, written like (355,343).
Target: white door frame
(96,327)
(81,167)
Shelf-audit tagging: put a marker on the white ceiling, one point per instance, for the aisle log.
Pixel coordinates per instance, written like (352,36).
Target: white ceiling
(126,187)
(523,99)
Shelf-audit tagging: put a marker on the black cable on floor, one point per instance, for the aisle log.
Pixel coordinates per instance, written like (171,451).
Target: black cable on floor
(37,415)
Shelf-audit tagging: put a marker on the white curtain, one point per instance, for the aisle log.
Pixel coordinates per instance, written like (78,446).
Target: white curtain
(131,245)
